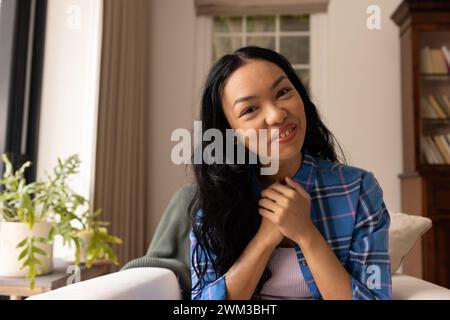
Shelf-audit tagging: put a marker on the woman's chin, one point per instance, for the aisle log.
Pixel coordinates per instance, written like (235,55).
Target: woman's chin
(289,152)
(286,155)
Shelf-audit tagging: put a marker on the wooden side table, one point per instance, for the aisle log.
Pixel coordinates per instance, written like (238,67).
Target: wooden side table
(17,288)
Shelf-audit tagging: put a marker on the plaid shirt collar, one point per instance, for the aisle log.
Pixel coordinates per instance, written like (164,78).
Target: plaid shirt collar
(305,175)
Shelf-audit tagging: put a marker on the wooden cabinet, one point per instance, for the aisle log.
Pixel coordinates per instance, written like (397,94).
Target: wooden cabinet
(424,27)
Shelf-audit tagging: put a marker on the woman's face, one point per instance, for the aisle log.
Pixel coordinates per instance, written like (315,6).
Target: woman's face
(259,95)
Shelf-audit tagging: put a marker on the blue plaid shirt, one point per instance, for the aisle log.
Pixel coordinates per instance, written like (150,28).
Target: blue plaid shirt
(347,208)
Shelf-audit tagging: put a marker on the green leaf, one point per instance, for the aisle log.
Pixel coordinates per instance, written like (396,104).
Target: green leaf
(22,169)
(22,254)
(51,233)
(77,250)
(30,220)
(21,214)
(27,262)
(36,261)
(41,239)
(8,166)
(22,243)
(39,251)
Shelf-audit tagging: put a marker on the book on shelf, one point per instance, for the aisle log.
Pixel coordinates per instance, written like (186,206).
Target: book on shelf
(435,107)
(435,152)
(446,100)
(442,147)
(436,149)
(440,110)
(443,104)
(446,54)
(429,154)
(425,61)
(427,109)
(434,61)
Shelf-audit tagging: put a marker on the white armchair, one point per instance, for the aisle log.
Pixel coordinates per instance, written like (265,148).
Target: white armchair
(405,287)
(131,284)
(162,284)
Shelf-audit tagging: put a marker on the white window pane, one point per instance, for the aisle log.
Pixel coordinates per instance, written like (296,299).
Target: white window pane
(227,24)
(261,24)
(225,45)
(294,23)
(295,49)
(263,42)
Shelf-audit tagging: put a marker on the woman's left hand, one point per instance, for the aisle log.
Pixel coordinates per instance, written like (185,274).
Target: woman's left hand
(288,207)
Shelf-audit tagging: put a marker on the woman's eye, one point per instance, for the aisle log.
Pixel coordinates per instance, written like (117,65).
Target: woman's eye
(248,111)
(283,92)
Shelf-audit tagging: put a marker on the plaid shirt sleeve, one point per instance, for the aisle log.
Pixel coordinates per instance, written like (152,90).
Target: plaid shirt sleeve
(369,262)
(214,286)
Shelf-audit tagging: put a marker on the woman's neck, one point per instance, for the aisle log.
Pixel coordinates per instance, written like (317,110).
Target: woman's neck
(286,168)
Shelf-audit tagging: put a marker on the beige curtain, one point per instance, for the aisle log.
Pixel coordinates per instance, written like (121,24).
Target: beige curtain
(122,157)
(259,7)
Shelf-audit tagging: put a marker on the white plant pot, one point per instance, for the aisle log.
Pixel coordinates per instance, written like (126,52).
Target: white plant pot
(11,234)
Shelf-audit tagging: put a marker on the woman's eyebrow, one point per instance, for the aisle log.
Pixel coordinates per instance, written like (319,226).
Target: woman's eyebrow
(273,86)
(277,82)
(243,99)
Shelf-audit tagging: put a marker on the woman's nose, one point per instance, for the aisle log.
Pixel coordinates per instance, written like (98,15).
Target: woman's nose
(275,115)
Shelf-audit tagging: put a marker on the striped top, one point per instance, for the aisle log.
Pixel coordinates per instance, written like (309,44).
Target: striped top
(287,281)
(348,209)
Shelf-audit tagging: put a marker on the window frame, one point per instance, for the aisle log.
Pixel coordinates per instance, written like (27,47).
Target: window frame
(21,63)
(277,34)
(319,57)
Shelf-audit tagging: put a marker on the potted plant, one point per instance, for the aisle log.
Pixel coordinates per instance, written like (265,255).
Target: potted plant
(33,214)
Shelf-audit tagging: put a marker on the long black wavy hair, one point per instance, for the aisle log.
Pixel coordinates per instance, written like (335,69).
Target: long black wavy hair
(224,191)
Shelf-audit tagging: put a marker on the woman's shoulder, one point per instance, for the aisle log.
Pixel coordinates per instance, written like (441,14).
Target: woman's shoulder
(336,173)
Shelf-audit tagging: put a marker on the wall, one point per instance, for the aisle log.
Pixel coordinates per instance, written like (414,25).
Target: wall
(173,53)
(364,91)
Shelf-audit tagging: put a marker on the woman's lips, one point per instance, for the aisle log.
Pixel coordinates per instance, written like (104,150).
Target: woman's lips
(285,134)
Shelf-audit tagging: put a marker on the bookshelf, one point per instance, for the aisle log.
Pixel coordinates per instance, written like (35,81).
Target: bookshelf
(434,94)
(424,29)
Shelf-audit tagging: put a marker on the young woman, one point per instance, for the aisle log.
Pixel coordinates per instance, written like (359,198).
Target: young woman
(317,229)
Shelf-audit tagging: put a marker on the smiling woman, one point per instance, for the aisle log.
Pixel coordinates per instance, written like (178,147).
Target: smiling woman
(330,216)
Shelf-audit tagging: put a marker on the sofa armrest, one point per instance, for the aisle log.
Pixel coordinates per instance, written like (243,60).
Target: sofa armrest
(131,284)
(162,284)
(405,287)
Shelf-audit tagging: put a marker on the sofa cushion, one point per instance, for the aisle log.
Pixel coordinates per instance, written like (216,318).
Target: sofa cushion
(404,232)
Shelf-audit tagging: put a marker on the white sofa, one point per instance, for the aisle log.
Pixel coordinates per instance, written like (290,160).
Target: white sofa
(162,284)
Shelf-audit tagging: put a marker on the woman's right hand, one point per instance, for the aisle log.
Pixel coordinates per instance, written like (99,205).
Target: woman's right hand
(269,232)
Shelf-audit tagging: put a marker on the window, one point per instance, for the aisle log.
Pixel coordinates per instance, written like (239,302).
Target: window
(22,28)
(286,34)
